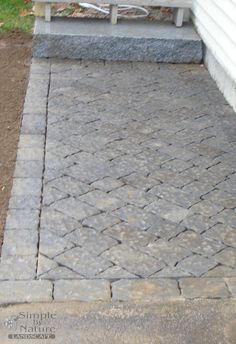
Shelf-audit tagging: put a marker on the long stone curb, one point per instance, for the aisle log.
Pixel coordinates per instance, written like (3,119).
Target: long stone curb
(135,41)
(20,246)
(147,290)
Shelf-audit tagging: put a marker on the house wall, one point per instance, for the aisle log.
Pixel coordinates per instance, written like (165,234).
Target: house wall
(215,21)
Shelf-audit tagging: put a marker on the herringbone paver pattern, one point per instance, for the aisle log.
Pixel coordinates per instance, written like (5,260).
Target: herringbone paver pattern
(139,176)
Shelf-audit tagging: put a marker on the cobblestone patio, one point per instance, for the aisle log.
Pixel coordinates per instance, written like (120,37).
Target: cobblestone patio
(125,186)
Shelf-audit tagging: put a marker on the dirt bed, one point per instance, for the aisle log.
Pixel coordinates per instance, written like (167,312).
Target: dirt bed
(15,54)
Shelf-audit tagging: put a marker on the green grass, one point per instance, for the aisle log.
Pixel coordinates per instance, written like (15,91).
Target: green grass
(10,18)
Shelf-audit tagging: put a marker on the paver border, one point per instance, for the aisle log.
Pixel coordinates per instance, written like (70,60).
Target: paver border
(19,260)
(21,235)
(100,290)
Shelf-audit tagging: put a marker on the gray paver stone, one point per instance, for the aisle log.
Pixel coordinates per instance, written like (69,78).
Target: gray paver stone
(22,219)
(18,267)
(25,291)
(20,243)
(82,262)
(231,283)
(133,260)
(196,265)
(145,290)
(85,290)
(211,288)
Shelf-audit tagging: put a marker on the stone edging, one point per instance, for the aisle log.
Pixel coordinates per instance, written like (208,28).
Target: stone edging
(21,236)
(146,290)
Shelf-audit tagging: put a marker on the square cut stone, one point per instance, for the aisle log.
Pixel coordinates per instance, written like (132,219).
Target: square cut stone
(197,265)
(69,185)
(174,195)
(107,184)
(206,208)
(130,235)
(223,233)
(134,261)
(102,200)
(81,261)
(20,242)
(178,165)
(27,186)
(28,169)
(141,182)
(29,141)
(231,283)
(24,202)
(168,211)
(171,272)
(204,288)
(33,124)
(82,290)
(136,217)
(130,195)
(91,240)
(198,223)
(52,195)
(198,243)
(166,251)
(57,222)
(221,271)
(165,229)
(89,171)
(33,154)
(18,267)
(145,290)
(51,245)
(227,217)
(227,257)
(198,188)
(116,272)
(44,265)
(59,273)
(35,100)
(75,208)
(22,219)
(25,291)
(100,221)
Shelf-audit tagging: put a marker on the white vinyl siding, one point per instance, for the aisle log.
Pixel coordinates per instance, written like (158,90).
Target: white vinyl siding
(216,23)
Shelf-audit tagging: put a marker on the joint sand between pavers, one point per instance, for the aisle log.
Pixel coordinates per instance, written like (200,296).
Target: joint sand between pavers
(123,188)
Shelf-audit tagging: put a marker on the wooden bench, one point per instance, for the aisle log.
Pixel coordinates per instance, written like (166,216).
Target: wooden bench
(180,6)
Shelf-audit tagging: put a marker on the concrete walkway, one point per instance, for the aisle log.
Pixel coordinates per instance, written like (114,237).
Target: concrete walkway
(125,174)
(197,322)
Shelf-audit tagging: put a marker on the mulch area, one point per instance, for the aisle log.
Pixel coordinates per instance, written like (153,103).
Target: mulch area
(15,55)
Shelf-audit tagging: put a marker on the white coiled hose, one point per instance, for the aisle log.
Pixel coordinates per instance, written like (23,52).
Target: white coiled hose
(103,9)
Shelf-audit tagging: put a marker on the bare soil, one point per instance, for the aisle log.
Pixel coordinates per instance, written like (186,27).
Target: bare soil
(15,54)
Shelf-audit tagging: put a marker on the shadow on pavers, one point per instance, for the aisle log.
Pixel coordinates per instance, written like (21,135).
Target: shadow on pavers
(195,322)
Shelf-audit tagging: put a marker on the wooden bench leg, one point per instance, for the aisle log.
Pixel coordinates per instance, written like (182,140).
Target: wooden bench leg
(113,14)
(39,9)
(48,12)
(178,16)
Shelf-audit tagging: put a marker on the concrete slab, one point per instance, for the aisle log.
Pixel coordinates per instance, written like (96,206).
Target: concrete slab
(196,322)
(127,41)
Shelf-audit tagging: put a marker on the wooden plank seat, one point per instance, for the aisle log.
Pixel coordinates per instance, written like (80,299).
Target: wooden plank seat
(180,6)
